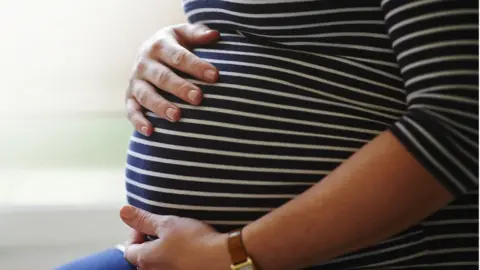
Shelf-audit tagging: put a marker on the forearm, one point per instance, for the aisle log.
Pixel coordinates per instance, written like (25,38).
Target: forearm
(380,191)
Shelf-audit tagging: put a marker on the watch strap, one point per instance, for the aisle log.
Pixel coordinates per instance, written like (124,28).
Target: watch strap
(238,252)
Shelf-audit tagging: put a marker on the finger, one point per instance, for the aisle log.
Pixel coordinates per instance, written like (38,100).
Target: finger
(165,79)
(195,34)
(146,95)
(139,220)
(136,117)
(137,237)
(182,59)
(138,254)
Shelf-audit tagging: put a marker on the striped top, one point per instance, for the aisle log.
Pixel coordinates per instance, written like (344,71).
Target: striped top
(303,85)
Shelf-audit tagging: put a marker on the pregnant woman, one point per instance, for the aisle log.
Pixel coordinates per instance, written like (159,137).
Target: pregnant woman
(335,134)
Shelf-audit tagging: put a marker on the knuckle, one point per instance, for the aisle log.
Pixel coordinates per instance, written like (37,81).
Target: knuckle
(161,75)
(143,219)
(130,114)
(179,56)
(169,222)
(195,62)
(157,47)
(142,96)
(141,66)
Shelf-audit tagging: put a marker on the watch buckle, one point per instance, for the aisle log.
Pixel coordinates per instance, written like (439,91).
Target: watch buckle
(246,265)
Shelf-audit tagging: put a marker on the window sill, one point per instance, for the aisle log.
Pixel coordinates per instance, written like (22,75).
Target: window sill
(61,208)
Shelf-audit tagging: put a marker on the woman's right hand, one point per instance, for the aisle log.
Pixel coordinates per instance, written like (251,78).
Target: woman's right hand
(167,50)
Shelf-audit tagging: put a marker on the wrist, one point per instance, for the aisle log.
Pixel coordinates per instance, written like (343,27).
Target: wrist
(264,248)
(218,247)
(251,241)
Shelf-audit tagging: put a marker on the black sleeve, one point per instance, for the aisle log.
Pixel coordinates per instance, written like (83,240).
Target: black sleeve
(436,46)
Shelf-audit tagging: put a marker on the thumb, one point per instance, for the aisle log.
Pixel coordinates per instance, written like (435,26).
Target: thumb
(139,220)
(195,34)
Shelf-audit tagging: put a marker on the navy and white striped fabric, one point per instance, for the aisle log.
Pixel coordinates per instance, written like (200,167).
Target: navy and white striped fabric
(303,85)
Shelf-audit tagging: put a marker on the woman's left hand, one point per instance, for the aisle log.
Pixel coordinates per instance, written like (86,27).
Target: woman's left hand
(182,243)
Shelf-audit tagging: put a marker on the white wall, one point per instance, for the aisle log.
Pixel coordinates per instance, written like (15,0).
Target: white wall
(73,55)
(62,63)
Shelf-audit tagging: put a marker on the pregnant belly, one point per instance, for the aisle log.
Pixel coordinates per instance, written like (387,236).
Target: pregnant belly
(276,123)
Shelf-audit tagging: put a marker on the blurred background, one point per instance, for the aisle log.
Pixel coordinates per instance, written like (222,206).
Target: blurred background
(64,67)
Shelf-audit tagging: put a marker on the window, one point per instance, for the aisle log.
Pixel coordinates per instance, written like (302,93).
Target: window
(65,65)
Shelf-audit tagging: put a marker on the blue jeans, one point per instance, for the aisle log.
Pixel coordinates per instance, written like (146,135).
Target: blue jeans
(110,259)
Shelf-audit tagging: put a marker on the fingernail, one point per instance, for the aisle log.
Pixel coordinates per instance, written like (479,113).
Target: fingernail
(208,31)
(193,95)
(170,113)
(210,74)
(143,129)
(127,211)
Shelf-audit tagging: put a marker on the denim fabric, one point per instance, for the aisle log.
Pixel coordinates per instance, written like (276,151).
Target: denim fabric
(110,259)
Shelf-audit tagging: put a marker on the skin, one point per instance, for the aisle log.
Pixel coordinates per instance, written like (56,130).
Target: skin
(378,192)
(157,60)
